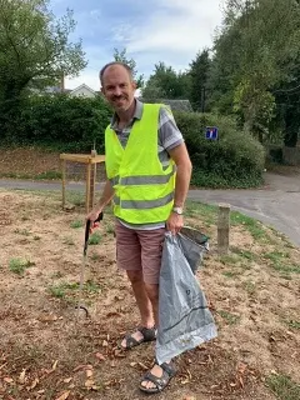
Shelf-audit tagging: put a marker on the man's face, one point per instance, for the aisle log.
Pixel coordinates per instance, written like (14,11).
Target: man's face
(118,88)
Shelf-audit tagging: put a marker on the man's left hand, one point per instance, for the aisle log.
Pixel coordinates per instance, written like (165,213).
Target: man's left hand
(174,223)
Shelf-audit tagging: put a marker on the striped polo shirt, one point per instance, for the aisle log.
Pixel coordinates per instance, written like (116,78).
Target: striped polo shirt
(169,136)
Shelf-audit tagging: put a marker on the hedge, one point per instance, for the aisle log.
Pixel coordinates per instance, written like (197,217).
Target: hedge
(235,160)
(61,122)
(71,124)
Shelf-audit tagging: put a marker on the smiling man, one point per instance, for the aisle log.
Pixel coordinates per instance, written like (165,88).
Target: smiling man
(148,170)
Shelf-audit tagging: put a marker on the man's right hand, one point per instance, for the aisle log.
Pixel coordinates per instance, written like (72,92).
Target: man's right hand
(93,216)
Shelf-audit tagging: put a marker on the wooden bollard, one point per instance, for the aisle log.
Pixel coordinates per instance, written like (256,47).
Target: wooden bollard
(223,228)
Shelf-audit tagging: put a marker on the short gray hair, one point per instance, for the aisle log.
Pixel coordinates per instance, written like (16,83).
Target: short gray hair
(111,64)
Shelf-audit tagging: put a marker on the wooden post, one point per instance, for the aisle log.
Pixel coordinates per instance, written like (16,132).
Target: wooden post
(88,188)
(63,183)
(92,186)
(223,228)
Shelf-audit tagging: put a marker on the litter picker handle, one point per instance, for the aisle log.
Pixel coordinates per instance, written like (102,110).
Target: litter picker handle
(88,227)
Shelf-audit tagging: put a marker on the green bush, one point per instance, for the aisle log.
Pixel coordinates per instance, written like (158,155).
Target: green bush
(61,122)
(71,124)
(235,160)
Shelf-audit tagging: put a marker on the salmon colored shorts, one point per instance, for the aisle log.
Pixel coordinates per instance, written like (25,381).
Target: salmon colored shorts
(140,250)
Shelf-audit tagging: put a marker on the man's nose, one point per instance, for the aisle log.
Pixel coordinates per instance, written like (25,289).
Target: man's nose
(117,91)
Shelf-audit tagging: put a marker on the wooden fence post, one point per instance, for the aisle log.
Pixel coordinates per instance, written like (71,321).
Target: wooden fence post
(223,228)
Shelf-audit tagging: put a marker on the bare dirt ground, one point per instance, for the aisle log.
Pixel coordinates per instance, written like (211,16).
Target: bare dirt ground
(38,163)
(45,353)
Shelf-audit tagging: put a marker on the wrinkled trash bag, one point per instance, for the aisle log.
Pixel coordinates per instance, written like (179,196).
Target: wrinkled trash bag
(193,244)
(185,321)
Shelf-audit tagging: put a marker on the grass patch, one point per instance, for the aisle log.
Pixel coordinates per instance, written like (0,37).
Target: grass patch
(69,241)
(283,387)
(207,213)
(230,274)
(231,319)
(110,229)
(49,175)
(280,261)
(76,224)
(293,324)
(250,287)
(95,238)
(63,289)
(23,232)
(75,197)
(254,227)
(18,265)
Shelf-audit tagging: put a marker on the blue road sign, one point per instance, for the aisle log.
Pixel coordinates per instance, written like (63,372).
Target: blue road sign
(212,133)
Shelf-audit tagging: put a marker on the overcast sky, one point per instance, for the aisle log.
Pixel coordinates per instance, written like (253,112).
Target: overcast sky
(172,31)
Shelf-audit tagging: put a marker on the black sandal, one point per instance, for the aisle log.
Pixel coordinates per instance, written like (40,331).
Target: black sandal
(162,382)
(149,334)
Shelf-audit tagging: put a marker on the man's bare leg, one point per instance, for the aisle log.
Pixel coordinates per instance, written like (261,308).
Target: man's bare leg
(143,302)
(153,292)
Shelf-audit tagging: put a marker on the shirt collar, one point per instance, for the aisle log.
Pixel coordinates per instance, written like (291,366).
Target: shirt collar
(138,113)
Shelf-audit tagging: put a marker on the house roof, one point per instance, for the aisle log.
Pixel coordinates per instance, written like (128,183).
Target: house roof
(82,86)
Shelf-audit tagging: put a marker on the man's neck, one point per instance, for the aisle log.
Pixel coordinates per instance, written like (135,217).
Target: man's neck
(127,115)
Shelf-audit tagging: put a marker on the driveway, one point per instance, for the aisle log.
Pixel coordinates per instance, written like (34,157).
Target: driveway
(277,203)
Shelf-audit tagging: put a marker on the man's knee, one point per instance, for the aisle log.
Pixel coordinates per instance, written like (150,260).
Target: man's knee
(152,292)
(135,276)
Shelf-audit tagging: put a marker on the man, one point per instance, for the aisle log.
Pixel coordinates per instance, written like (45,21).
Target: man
(149,171)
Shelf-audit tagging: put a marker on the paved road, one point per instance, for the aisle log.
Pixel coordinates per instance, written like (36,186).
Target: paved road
(277,203)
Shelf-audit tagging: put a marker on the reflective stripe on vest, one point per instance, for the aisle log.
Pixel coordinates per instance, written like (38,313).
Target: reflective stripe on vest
(143,180)
(144,204)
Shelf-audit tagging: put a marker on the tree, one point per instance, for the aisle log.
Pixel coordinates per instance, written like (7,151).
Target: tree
(121,56)
(35,47)
(166,83)
(254,50)
(199,74)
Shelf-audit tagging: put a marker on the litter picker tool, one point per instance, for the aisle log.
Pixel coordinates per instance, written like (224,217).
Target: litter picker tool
(80,306)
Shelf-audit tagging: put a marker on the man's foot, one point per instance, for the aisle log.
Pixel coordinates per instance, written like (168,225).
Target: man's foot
(157,379)
(140,336)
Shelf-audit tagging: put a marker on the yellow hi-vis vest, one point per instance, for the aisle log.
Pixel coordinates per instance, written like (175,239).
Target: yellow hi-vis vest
(144,191)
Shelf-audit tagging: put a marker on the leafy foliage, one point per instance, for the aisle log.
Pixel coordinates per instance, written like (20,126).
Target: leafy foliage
(34,52)
(254,52)
(67,123)
(121,56)
(199,74)
(165,83)
(235,160)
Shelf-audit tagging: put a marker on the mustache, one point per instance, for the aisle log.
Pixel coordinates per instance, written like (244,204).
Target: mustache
(119,98)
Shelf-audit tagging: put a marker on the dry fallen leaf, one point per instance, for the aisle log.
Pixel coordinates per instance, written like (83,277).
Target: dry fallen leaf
(89,373)
(143,366)
(100,356)
(68,380)
(242,368)
(133,364)
(83,367)
(34,383)
(7,379)
(104,343)
(47,318)
(90,384)
(54,365)
(64,395)
(22,376)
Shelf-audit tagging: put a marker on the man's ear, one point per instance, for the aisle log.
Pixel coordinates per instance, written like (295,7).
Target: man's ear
(134,85)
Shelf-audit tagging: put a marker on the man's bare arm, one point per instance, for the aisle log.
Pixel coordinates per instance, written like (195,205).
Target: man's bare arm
(184,171)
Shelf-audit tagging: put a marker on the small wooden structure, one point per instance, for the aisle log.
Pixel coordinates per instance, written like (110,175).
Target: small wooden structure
(91,161)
